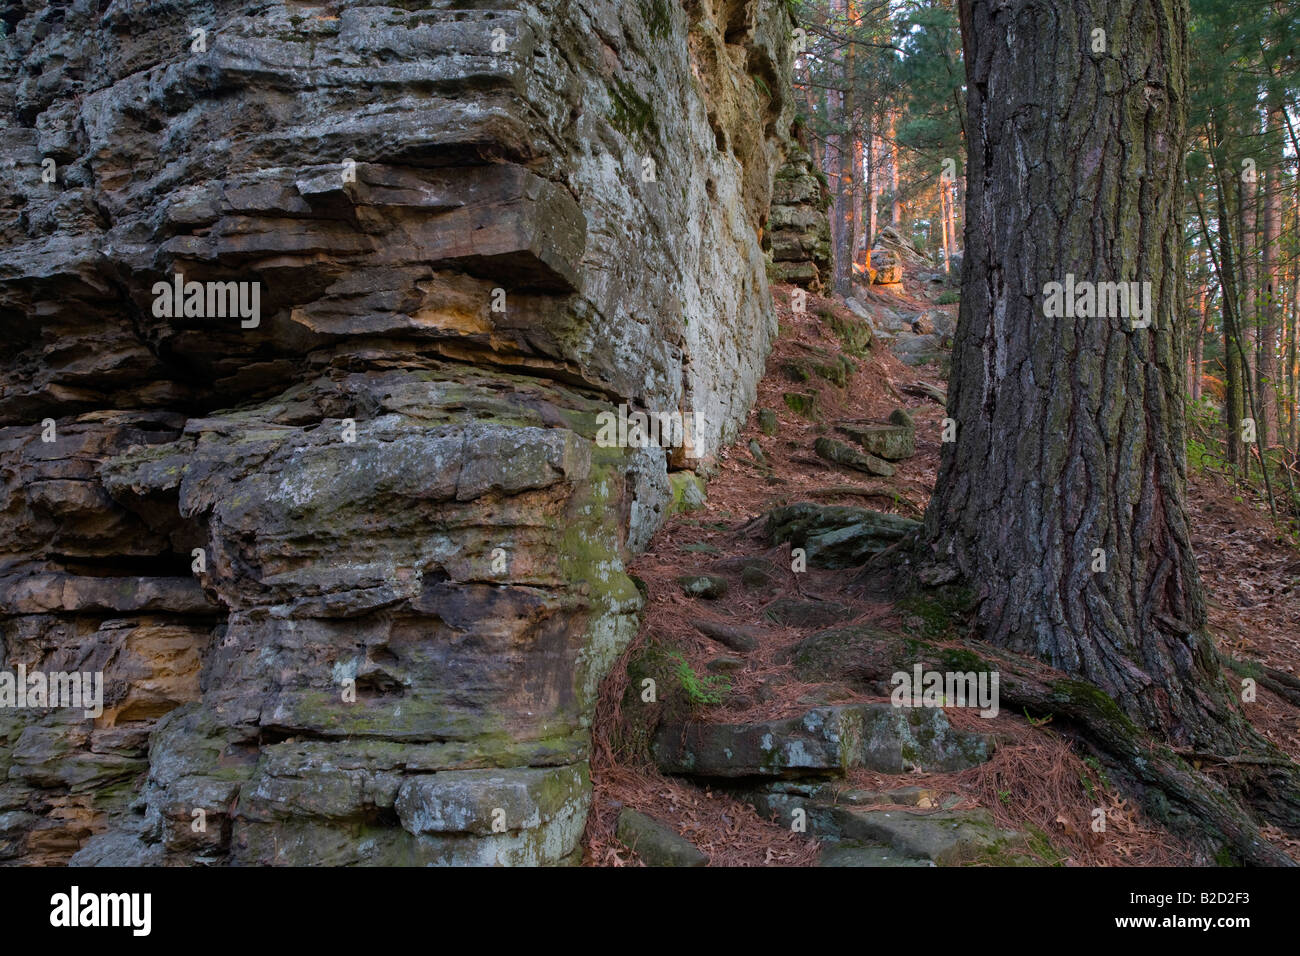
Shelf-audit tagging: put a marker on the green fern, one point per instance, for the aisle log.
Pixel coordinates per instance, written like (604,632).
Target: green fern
(700,690)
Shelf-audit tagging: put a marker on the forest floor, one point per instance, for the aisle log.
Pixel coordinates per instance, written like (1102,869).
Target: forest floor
(1036,781)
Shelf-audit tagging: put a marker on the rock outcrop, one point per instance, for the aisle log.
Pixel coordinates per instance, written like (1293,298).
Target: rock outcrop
(348,550)
(891,255)
(799,231)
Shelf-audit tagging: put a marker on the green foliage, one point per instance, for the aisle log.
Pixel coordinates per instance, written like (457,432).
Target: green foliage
(1097,778)
(949,298)
(931,71)
(937,612)
(630,112)
(701,691)
(657,17)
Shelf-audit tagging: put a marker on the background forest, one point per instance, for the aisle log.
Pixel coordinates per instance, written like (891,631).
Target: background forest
(882,92)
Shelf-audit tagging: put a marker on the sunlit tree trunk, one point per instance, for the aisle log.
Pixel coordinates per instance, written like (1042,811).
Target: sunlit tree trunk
(896,207)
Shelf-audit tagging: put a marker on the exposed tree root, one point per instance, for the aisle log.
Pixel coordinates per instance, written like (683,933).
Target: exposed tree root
(1279,682)
(1189,800)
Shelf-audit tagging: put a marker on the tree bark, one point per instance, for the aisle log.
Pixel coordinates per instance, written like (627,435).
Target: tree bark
(1070,430)
(943,221)
(1202,318)
(1249,274)
(866,217)
(896,207)
(1270,289)
(861,186)
(1293,356)
(842,226)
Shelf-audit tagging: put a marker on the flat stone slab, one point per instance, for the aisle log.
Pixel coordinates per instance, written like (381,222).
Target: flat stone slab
(657,843)
(825,741)
(853,853)
(946,837)
(922,797)
(797,612)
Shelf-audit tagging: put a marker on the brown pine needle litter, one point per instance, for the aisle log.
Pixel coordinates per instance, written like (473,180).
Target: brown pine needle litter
(1036,782)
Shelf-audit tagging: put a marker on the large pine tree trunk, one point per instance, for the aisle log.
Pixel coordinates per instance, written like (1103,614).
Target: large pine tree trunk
(1070,430)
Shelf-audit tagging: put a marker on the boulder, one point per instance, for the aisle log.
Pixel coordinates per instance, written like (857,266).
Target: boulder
(842,454)
(656,843)
(823,742)
(890,442)
(688,493)
(798,612)
(945,837)
(707,586)
(886,267)
(837,536)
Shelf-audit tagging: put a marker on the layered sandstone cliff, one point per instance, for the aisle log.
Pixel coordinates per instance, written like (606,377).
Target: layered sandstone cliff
(353,569)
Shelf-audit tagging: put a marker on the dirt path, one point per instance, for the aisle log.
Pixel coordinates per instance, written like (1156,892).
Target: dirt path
(1035,781)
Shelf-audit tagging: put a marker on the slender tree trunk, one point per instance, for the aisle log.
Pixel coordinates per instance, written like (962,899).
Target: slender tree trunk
(842,226)
(861,186)
(1293,354)
(1249,273)
(950,236)
(1270,294)
(943,224)
(810,97)
(867,216)
(896,208)
(1070,437)
(1234,396)
(1199,322)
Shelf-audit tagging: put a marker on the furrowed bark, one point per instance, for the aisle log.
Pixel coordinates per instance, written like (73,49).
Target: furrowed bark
(1061,505)
(1070,435)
